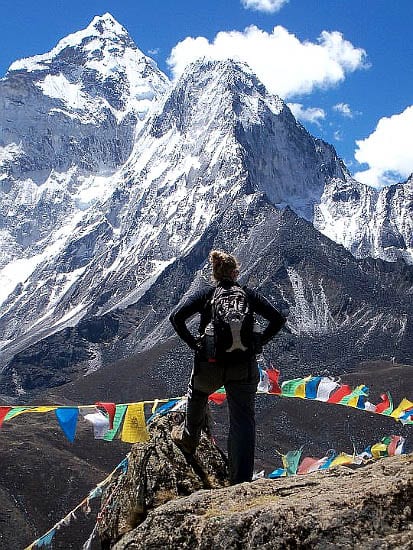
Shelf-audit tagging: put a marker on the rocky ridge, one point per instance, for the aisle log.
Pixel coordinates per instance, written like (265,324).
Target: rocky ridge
(339,508)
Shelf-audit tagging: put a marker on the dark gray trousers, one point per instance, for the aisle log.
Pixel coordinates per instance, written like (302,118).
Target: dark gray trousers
(240,382)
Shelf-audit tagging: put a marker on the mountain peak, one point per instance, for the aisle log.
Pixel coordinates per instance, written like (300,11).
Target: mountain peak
(102,30)
(106,23)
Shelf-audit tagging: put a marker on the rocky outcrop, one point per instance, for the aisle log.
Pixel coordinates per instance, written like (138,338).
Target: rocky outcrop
(367,507)
(158,472)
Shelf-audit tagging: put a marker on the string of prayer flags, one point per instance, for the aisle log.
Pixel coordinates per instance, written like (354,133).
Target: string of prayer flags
(388,446)
(67,418)
(46,540)
(134,425)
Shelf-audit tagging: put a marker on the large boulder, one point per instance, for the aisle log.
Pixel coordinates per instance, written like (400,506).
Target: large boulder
(158,472)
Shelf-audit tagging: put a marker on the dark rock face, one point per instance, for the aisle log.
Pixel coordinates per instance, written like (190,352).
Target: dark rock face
(369,507)
(158,472)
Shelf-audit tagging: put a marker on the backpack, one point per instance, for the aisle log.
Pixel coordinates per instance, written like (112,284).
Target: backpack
(232,319)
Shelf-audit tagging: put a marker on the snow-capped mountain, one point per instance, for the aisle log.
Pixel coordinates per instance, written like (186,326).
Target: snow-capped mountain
(68,120)
(366,221)
(114,185)
(218,135)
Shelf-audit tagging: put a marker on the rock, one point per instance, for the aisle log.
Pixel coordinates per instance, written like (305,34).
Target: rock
(368,507)
(158,472)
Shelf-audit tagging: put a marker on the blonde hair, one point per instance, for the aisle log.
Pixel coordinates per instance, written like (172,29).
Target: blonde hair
(224,266)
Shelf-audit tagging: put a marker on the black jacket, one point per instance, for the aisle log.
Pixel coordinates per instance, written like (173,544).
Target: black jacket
(200,302)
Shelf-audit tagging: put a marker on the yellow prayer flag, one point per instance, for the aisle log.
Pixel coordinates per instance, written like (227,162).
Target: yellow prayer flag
(134,426)
(300,389)
(41,409)
(378,450)
(342,458)
(404,406)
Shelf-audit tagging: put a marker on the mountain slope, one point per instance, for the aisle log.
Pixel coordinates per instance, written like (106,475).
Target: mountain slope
(366,221)
(189,162)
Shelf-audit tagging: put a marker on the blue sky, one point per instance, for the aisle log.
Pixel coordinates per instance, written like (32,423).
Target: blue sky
(344,66)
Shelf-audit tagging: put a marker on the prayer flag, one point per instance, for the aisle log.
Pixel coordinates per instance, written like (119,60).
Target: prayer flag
(3,413)
(117,421)
(218,397)
(311,387)
(404,405)
(396,445)
(379,449)
(264,383)
(407,417)
(14,411)
(100,423)
(134,426)
(46,540)
(67,418)
(274,375)
(162,409)
(352,399)
(279,472)
(289,386)
(325,387)
(386,405)
(329,460)
(110,408)
(339,394)
(309,465)
(290,461)
(300,389)
(342,458)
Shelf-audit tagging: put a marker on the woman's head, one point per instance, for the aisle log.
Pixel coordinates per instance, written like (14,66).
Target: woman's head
(224,266)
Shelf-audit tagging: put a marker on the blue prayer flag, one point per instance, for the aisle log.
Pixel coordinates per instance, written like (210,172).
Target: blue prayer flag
(67,419)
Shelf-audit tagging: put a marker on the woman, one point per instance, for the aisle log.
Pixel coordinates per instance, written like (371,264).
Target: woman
(226,325)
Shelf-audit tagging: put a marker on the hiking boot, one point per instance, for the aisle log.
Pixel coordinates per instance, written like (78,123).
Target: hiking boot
(182,440)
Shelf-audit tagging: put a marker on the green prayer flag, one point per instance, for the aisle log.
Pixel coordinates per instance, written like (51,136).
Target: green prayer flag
(14,412)
(117,421)
(289,386)
(291,461)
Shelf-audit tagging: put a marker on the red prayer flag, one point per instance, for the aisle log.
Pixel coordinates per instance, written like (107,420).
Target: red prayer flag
(110,408)
(217,398)
(3,412)
(339,393)
(273,376)
(391,449)
(385,403)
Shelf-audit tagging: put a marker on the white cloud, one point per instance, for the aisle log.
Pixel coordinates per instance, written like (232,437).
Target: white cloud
(387,151)
(307,114)
(154,51)
(344,109)
(285,65)
(338,136)
(269,6)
